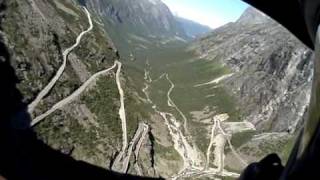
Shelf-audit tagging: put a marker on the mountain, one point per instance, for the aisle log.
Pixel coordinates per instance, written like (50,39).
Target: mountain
(252,16)
(68,77)
(178,109)
(258,49)
(193,29)
(138,22)
(271,74)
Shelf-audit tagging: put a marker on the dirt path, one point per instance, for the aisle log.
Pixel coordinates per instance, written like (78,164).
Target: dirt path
(121,163)
(160,77)
(172,104)
(191,157)
(189,154)
(215,81)
(192,161)
(138,137)
(60,71)
(138,147)
(213,131)
(269,135)
(122,111)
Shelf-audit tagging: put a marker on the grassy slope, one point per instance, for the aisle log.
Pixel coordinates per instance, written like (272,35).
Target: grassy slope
(186,70)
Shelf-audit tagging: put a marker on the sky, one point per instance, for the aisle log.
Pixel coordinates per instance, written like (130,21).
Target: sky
(213,13)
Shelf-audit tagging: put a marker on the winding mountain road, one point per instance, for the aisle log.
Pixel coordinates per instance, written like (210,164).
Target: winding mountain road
(122,160)
(60,71)
(71,97)
(121,163)
(138,147)
(143,129)
(122,111)
(135,145)
(140,142)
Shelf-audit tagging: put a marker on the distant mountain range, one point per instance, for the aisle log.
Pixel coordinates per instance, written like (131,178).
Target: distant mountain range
(192,28)
(137,24)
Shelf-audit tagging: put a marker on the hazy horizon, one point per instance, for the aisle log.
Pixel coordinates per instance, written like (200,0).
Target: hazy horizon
(212,13)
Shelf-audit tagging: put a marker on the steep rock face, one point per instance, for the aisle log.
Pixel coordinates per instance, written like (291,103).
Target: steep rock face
(151,17)
(272,70)
(252,16)
(138,25)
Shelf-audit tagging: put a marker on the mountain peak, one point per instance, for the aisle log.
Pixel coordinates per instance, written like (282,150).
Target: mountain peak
(252,16)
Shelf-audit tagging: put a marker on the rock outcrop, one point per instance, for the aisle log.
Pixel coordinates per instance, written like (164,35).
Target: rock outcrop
(272,70)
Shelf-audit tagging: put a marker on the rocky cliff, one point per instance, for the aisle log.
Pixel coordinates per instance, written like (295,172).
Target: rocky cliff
(272,70)
(143,17)
(137,25)
(270,77)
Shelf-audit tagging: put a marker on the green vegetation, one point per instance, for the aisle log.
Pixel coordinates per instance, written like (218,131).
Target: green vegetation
(95,51)
(158,93)
(261,148)
(287,148)
(68,86)
(241,138)
(67,134)
(136,112)
(186,71)
(12,28)
(63,132)
(271,146)
(228,178)
(135,76)
(201,139)
(232,169)
(167,152)
(25,60)
(100,37)
(71,19)
(101,101)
